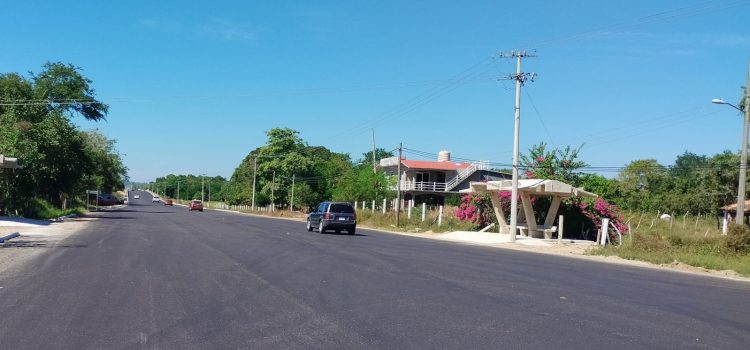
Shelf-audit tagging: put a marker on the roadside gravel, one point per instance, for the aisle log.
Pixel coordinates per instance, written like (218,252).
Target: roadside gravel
(35,239)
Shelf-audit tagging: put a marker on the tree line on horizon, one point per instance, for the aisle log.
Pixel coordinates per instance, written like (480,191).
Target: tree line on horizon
(286,168)
(694,184)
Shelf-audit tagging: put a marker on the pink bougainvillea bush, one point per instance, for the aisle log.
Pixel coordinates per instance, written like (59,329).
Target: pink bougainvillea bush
(599,208)
(477,208)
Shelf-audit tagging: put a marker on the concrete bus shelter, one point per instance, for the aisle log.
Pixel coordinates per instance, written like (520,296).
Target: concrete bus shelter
(527,188)
(730,210)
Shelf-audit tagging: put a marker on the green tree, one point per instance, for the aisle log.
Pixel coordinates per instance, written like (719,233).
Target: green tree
(65,89)
(380,153)
(642,181)
(58,160)
(556,164)
(600,185)
(361,183)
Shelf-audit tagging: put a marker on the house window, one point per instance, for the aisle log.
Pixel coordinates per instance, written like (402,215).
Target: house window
(423,177)
(440,177)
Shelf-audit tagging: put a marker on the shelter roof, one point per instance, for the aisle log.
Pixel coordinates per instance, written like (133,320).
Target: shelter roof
(536,187)
(733,207)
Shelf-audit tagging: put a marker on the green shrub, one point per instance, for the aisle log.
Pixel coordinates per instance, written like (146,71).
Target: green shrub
(41,209)
(738,239)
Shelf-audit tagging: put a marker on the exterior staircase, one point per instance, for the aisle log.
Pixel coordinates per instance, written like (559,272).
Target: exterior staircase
(463,174)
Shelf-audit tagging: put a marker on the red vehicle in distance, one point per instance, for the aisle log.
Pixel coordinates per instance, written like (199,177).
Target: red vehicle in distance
(168,202)
(196,205)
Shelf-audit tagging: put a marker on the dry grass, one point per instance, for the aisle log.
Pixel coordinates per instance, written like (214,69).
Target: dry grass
(692,240)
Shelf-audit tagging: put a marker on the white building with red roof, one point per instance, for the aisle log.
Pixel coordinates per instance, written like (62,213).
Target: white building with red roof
(431,181)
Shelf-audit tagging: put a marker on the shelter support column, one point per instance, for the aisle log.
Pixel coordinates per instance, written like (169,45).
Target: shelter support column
(499,214)
(553,207)
(528,211)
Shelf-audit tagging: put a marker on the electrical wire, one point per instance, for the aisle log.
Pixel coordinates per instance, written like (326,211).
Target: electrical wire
(659,17)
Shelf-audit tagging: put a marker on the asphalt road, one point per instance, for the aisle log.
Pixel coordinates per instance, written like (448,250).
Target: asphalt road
(154,277)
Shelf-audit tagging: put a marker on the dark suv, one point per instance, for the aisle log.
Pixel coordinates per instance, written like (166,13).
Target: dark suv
(333,216)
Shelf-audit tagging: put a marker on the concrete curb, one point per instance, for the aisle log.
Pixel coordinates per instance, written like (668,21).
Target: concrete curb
(62,218)
(9,237)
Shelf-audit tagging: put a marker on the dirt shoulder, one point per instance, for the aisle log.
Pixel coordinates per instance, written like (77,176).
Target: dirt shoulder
(34,241)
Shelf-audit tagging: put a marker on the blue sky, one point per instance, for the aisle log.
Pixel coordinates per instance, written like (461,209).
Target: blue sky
(193,85)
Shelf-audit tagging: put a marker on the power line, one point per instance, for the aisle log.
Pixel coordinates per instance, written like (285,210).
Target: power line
(426,96)
(539,116)
(685,11)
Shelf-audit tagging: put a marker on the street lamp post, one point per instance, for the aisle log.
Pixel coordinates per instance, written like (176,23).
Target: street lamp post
(743,151)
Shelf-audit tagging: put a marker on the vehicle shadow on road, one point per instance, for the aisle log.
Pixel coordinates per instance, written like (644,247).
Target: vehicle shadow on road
(344,234)
(38,244)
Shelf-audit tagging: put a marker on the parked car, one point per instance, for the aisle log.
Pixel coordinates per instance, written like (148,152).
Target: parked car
(168,202)
(107,199)
(333,216)
(155,199)
(196,205)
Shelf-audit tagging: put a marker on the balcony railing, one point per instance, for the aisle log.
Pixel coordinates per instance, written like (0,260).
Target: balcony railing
(421,186)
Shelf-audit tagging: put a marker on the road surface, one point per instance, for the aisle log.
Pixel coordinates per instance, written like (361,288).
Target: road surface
(149,276)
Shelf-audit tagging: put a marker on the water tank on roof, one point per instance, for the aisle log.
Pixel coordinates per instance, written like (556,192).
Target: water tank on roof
(444,156)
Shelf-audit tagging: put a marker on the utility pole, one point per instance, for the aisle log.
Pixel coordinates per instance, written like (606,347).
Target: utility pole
(291,204)
(520,79)
(398,187)
(203,181)
(273,185)
(209,191)
(255,170)
(374,167)
(743,155)
(178,191)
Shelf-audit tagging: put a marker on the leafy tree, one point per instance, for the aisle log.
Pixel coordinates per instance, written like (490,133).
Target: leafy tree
(642,180)
(600,185)
(361,183)
(555,164)
(66,90)
(106,171)
(380,153)
(59,161)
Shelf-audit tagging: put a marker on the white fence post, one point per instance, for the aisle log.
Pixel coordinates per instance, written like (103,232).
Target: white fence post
(560,230)
(424,209)
(384,205)
(605,228)
(408,215)
(440,216)
(363,205)
(373,206)
(355,205)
